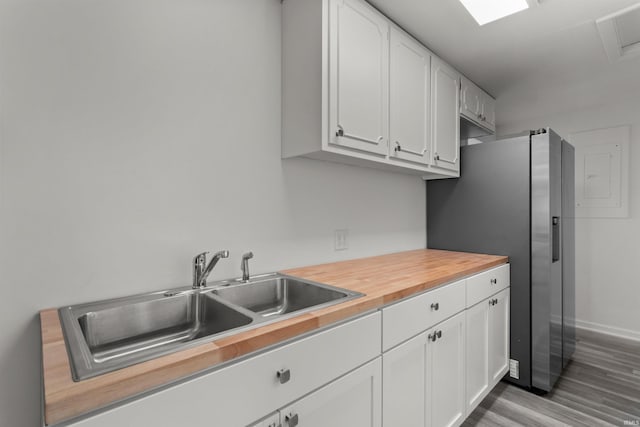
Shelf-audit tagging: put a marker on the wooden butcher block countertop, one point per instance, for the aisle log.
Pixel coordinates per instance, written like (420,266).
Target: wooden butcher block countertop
(382,279)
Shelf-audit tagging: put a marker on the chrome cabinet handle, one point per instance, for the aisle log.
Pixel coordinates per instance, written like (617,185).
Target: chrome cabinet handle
(291,419)
(494,281)
(435,306)
(436,156)
(432,337)
(284,375)
(439,334)
(341,133)
(493,301)
(398,148)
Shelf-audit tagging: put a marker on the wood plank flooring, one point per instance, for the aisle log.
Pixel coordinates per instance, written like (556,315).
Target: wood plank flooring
(599,387)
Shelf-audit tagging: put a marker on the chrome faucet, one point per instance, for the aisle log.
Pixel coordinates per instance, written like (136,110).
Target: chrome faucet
(244,265)
(201,269)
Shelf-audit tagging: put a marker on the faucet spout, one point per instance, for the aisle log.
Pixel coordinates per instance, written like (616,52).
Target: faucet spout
(201,269)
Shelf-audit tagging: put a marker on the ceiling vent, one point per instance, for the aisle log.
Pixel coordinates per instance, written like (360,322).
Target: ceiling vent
(620,33)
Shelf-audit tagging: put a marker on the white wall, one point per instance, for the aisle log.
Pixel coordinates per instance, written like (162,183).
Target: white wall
(607,250)
(136,133)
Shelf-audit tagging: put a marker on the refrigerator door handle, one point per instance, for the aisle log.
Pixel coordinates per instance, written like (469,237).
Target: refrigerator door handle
(555,223)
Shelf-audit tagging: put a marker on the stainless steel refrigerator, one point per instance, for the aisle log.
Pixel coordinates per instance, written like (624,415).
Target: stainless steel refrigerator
(515,197)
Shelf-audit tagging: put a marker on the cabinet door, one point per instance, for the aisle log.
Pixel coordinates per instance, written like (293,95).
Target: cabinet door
(499,337)
(445,373)
(409,99)
(354,400)
(477,349)
(271,421)
(358,77)
(404,394)
(445,115)
(489,112)
(469,99)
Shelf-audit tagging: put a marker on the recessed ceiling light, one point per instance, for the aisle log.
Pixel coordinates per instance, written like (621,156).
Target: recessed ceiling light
(485,11)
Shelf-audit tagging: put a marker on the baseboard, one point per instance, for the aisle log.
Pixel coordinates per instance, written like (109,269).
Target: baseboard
(608,330)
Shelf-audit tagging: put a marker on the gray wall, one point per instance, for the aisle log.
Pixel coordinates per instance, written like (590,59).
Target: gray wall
(137,133)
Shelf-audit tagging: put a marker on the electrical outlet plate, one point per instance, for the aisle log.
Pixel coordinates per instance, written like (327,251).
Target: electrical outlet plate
(341,241)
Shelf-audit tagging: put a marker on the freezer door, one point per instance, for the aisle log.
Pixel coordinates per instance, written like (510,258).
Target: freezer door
(546,259)
(568,253)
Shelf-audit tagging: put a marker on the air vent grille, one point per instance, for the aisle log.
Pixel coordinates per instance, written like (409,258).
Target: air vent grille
(620,33)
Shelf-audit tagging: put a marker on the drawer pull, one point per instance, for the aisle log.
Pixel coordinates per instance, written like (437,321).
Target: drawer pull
(284,375)
(435,306)
(434,336)
(493,301)
(291,419)
(494,281)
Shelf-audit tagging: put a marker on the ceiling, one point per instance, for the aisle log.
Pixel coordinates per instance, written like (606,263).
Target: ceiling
(552,44)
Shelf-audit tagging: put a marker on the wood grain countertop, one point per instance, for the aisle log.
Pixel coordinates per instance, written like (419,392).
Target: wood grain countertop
(383,279)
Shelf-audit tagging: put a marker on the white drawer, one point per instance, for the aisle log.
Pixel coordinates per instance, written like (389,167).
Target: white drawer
(487,283)
(246,391)
(408,318)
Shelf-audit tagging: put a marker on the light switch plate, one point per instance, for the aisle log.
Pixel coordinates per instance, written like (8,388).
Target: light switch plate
(341,242)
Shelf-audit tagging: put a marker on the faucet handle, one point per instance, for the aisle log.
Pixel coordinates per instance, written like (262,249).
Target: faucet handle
(248,255)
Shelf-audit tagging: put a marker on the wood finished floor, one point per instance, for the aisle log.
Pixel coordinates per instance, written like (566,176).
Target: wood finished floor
(599,387)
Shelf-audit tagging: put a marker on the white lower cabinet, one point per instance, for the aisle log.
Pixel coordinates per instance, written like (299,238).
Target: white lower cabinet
(424,378)
(405,377)
(445,373)
(487,342)
(499,337)
(354,400)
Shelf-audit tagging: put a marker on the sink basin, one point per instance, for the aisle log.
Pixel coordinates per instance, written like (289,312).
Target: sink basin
(279,295)
(108,335)
(137,327)
(104,336)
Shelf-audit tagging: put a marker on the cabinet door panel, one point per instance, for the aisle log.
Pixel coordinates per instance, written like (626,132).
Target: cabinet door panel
(354,400)
(499,337)
(489,112)
(445,115)
(469,99)
(445,373)
(477,349)
(404,376)
(358,77)
(410,99)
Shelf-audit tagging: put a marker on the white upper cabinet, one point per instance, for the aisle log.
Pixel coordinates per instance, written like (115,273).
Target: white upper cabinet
(470,99)
(445,84)
(357,89)
(410,77)
(477,106)
(358,77)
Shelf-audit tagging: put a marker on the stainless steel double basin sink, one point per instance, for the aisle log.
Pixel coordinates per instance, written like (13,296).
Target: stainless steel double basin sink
(108,335)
